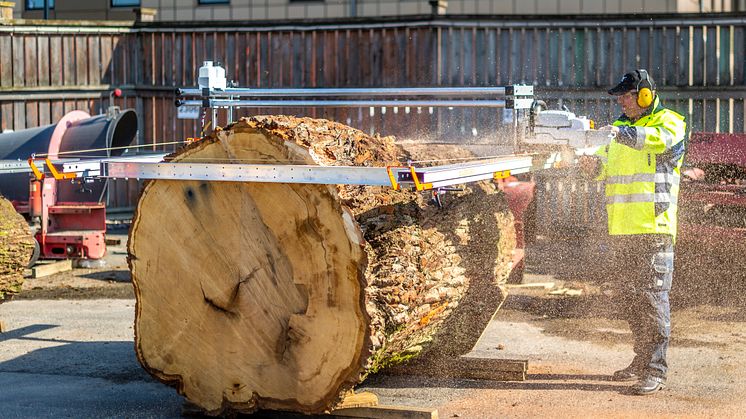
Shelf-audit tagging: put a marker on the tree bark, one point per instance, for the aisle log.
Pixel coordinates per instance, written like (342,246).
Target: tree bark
(284,296)
(16,249)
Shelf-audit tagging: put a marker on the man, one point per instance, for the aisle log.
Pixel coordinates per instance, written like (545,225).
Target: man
(641,168)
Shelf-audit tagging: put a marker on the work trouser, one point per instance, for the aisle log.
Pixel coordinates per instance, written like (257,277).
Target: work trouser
(643,268)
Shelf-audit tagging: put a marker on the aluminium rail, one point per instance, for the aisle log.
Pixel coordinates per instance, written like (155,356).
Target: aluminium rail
(514,97)
(419,178)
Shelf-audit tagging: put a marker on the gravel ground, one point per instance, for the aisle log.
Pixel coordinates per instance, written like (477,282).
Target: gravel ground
(68,352)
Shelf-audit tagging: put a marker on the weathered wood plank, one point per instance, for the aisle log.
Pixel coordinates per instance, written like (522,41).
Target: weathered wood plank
(567,58)
(724,68)
(66,64)
(553,78)
(19,116)
(42,270)
(19,68)
(501,56)
(712,72)
(724,121)
(667,64)
(455,56)
(517,56)
(603,68)
(739,64)
(696,119)
(6,65)
(276,61)
(32,114)
(630,50)
(162,50)
(31,61)
(582,54)
(43,53)
(81,60)
(739,112)
(682,56)
(95,63)
(106,51)
(45,113)
(185,61)
(58,110)
(376,59)
(698,56)
(657,59)
(490,56)
(263,75)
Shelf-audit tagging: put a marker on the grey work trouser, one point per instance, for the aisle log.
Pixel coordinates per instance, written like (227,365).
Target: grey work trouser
(643,268)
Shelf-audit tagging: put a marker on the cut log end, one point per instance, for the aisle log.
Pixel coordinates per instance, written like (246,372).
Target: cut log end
(281,296)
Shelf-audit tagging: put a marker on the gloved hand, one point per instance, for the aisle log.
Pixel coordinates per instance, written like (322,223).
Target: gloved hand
(611,128)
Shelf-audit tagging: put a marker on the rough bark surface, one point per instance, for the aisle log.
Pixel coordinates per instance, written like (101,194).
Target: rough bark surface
(16,248)
(283,296)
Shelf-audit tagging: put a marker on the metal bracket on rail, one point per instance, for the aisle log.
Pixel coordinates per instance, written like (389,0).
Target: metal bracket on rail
(52,170)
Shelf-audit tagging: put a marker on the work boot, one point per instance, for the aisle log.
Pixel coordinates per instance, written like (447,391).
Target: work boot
(649,385)
(631,373)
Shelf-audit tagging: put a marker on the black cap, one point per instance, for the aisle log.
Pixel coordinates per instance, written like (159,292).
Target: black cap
(629,82)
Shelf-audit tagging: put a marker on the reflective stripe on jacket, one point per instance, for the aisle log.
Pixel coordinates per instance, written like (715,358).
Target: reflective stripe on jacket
(642,169)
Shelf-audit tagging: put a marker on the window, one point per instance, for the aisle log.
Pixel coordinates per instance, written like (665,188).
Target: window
(38,4)
(214,1)
(124,3)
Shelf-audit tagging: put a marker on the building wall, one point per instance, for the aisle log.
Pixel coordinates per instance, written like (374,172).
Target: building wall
(190,10)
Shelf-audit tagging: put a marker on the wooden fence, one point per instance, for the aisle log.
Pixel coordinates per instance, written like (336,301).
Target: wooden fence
(697,61)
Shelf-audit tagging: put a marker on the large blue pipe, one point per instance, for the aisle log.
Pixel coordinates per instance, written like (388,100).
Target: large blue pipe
(76,131)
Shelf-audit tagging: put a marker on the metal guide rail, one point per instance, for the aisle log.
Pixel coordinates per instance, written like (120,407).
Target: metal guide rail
(419,178)
(510,97)
(397,177)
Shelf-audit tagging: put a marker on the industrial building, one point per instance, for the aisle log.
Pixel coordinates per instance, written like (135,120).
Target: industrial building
(205,10)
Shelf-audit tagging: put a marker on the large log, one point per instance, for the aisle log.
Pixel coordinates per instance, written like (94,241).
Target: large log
(283,296)
(16,249)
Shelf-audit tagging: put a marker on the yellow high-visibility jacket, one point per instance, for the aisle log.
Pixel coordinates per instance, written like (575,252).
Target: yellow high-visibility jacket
(642,170)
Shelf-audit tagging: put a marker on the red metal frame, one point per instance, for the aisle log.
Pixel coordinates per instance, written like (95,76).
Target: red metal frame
(68,229)
(519,195)
(706,149)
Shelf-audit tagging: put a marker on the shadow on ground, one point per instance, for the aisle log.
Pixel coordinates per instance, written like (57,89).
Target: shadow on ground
(114,361)
(583,382)
(110,275)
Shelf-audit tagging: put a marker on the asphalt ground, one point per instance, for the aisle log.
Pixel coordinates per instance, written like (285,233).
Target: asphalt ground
(69,353)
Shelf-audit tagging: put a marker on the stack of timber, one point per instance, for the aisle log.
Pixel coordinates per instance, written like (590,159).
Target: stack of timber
(16,249)
(285,296)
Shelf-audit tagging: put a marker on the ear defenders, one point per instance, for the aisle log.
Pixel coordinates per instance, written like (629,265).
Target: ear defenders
(644,90)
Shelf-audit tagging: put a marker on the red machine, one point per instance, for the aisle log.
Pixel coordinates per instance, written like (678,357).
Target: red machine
(713,192)
(66,229)
(520,197)
(68,211)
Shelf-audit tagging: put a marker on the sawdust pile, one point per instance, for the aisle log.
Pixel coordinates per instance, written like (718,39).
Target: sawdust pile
(16,248)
